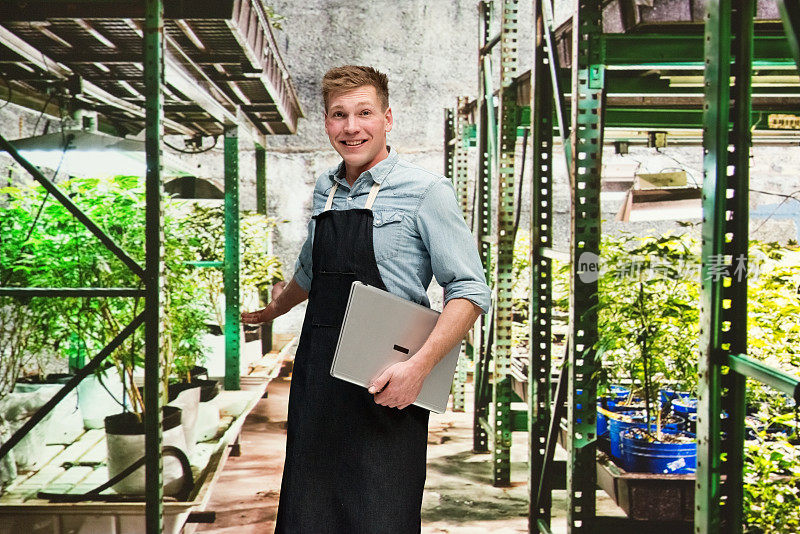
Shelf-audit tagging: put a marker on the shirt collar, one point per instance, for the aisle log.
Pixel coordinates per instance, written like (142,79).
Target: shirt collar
(377,173)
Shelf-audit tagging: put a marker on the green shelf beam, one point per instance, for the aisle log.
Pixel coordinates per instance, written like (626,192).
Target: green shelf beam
(71,292)
(232,256)
(206,264)
(644,51)
(154,264)
(774,378)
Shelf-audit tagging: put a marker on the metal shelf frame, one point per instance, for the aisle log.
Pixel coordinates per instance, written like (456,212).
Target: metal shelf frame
(152,272)
(729,49)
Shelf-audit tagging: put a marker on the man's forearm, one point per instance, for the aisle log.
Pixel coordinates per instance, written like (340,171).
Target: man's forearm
(458,316)
(291,296)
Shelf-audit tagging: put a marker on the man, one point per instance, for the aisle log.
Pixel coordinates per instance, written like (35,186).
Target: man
(355,457)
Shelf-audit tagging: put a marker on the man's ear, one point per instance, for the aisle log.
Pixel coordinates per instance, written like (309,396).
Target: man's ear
(387,115)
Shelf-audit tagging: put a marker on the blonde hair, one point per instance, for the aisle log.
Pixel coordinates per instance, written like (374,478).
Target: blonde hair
(349,77)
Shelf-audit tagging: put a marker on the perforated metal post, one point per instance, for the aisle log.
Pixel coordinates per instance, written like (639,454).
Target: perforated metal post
(461,165)
(503,234)
(261,179)
(461,177)
(587,143)
(451,142)
(231,274)
(154,266)
(482,231)
(540,317)
(726,143)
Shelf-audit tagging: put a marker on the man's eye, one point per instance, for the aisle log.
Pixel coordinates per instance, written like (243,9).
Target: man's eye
(366,112)
(338,114)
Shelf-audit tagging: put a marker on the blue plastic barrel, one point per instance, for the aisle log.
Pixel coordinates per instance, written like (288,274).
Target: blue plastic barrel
(668,395)
(616,427)
(643,456)
(684,405)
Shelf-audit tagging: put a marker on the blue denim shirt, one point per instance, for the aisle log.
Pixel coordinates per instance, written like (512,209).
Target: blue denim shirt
(418,231)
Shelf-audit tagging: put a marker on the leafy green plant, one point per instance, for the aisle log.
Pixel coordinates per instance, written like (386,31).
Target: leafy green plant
(58,251)
(771,487)
(259,270)
(648,313)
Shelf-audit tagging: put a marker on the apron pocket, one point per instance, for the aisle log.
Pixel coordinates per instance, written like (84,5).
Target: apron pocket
(385,233)
(329,301)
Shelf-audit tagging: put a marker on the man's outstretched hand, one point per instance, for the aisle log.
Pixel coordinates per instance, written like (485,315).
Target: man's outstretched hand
(399,385)
(264,315)
(257,317)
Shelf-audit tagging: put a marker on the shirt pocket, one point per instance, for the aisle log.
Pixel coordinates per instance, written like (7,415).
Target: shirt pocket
(386,233)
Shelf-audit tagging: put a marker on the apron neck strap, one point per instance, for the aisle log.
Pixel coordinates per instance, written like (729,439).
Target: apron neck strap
(372,194)
(329,203)
(370,199)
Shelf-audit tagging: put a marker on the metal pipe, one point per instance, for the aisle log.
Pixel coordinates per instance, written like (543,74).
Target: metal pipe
(485,49)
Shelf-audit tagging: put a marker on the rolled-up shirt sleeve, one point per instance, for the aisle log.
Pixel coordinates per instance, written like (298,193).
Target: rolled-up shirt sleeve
(454,256)
(302,267)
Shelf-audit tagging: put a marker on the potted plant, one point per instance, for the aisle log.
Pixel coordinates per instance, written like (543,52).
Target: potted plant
(259,269)
(647,323)
(73,257)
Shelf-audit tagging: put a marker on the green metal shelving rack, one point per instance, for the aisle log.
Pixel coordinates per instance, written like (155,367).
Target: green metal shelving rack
(153,36)
(726,113)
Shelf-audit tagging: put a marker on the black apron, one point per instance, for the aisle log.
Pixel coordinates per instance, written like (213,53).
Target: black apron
(352,466)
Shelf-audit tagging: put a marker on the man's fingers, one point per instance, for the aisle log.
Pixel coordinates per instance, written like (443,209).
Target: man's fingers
(251,318)
(379,383)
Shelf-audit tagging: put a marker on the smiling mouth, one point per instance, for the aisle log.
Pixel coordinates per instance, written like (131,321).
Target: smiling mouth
(354,143)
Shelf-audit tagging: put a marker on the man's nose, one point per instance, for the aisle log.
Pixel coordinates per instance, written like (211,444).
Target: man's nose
(351,125)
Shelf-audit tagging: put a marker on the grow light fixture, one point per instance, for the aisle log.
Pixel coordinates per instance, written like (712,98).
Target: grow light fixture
(92,154)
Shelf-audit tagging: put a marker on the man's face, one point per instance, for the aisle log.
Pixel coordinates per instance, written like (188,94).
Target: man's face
(357,125)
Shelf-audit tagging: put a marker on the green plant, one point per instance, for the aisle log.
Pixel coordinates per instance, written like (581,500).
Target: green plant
(648,313)
(771,487)
(258,269)
(60,252)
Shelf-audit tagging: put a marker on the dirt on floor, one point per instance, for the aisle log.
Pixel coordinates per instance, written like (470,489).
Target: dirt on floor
(459,497)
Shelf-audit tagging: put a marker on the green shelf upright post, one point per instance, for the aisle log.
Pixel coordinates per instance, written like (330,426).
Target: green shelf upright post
(539,311)
(154,266)
(231,273)
(503,233)
(261,179)
(461,177)
(449,144)
(451,140)
(461,166)
(586,139)
(726,143)
(481,229)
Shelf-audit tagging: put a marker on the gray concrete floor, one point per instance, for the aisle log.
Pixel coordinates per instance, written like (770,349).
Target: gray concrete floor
(459,497)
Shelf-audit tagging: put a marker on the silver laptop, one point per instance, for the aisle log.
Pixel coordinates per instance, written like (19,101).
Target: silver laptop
(381,329)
